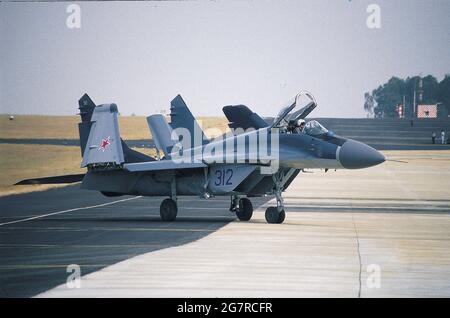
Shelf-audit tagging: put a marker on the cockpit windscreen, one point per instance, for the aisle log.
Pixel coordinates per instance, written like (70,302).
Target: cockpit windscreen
(314,128)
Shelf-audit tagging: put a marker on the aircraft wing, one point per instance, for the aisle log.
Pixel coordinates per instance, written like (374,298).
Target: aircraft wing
(161,165)
(70,178)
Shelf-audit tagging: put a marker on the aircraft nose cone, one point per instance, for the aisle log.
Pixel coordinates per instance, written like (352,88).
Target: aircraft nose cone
(356,155)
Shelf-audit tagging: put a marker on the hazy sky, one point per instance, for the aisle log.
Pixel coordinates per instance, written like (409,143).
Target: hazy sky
(258,53)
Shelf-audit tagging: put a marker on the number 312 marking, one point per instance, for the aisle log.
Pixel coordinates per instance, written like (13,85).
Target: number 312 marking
(223,177)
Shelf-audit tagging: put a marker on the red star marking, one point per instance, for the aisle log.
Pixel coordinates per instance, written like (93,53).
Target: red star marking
(105,144)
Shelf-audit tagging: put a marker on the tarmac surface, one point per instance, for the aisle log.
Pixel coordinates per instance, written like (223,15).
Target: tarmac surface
(383,231)
(41,233)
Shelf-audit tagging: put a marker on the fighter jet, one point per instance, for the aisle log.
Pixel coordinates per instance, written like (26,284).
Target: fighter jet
(258,157)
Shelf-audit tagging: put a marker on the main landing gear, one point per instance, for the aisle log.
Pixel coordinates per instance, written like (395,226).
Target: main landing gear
(242,207)
(169,209)
(276,214)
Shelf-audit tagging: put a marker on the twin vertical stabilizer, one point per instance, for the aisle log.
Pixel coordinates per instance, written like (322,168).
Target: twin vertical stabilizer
(162,133)
(104,146)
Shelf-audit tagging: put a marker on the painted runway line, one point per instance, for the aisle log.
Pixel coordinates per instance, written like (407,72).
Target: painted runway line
(69,210)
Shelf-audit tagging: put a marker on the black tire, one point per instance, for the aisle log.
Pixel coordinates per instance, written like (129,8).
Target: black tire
(273,216)
(168,210)
(245,211)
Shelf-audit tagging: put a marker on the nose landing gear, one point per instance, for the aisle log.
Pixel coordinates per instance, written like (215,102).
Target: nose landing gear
(276,215)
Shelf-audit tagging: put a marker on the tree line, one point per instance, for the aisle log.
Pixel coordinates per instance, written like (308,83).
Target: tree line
(383,101)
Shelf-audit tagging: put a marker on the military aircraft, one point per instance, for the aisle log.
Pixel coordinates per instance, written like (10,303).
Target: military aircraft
(259,157)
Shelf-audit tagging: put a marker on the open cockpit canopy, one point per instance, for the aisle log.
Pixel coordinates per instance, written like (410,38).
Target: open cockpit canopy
(293,110)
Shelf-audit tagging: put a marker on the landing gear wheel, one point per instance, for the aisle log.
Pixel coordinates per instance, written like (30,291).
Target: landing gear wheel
(168,210)
(245,211)
(281,217)
(273,216)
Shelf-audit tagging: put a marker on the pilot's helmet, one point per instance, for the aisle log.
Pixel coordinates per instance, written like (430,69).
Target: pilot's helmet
(300,122)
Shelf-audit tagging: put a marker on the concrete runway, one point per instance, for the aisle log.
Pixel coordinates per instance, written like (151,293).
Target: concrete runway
(383,231)
(89,230)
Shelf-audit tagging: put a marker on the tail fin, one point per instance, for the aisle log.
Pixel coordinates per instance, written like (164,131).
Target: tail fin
(86,106)
(103,146)
(87,109)
(181,117)
(161,133)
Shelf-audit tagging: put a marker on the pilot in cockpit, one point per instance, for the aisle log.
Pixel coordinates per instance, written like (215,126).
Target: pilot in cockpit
(296,126)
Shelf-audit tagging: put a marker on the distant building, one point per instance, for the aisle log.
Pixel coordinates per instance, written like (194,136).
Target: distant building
(427,111)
